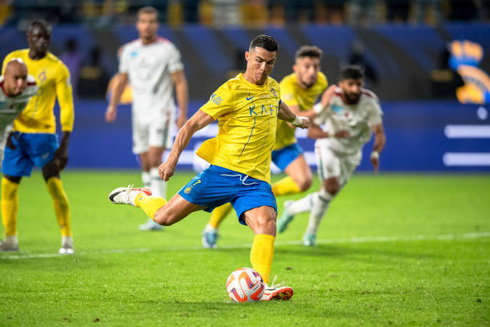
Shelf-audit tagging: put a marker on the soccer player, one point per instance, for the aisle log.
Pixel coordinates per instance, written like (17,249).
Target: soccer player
(16,89)
(34,140)
(299,90)
(247,108)
(153,68)
(354,112)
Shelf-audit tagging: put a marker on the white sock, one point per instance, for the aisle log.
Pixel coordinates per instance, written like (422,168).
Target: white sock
(67,240)
(210,228)
(13,240)
(145,178)
(321,203)
(157,185)
(302,205)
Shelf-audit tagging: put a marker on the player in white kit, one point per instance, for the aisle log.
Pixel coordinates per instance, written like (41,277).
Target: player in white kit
(355,112)
(153,68)
(16,89)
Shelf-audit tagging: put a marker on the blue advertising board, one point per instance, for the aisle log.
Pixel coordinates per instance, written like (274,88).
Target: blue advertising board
(442,136)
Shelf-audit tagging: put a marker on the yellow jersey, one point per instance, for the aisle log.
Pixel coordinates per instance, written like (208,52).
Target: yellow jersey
(295,95)
(53,80)
(247,120)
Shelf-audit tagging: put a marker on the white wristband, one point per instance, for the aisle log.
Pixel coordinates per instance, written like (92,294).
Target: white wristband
(297,121)
(375,155)
(318,108)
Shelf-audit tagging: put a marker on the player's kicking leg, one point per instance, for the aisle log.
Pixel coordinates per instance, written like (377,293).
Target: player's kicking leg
(262,222)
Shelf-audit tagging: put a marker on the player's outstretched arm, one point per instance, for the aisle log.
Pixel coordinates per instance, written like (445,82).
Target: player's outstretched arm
(322,105)
(287,115)
(120,82)
(379,144)
(316,132)
(198,121)
(182,94)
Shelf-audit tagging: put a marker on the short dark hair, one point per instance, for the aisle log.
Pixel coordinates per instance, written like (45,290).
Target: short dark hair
(311,51)
(40,23)
(352,71)
(265,42)
(148,10)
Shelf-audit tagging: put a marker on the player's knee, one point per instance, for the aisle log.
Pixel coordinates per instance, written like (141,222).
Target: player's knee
(265,225)
(305,183)
(332,186)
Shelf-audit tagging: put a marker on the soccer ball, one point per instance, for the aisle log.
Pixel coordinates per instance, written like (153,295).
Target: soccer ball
(245,285)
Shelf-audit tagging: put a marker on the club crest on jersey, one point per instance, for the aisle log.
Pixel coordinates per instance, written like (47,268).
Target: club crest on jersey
(188,189)
(273,92)
(42,76)
(133,54)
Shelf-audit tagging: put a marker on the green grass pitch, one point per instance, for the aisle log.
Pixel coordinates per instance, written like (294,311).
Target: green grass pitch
(393,250)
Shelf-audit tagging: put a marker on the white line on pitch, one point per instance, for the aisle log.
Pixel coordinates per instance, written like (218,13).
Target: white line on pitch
(372,239)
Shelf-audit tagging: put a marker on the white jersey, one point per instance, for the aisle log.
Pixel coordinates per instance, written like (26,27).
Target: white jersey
(149,67)
(357,119)
(11,107)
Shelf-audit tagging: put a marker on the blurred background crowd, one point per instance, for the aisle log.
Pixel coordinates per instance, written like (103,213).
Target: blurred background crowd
(105,13)
(427,60)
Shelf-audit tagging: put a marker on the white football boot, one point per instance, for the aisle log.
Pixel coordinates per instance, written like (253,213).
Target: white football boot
(67,246)
(209,237)
(277,292)
(10,244)
(126,195)
(150,225)
(286,218)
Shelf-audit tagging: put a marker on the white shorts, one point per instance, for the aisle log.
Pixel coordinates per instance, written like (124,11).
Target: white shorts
(157,132)
(331,164)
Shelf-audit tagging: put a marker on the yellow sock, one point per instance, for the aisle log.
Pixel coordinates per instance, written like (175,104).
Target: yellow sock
(262,254)
(9,204)
(149,204)
(60,204)
(285,186)
(219,214)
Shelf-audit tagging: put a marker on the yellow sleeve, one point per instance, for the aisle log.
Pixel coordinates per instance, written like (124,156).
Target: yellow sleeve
(221,102)
(288,94)
(65,99)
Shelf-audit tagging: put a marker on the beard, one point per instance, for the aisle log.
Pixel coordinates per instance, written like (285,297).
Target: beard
(352,97)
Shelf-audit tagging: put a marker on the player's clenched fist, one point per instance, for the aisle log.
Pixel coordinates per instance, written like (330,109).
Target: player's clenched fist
(166,170)
(110,114)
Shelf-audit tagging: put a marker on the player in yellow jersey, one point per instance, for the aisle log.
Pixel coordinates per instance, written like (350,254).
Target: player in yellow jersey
(34,141)
(300,90)
(247,108)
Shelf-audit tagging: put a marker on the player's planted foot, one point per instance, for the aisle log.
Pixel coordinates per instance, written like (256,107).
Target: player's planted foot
(286,218)
(10,244)
(309,240)
(277,292)
(67,246)
(150,225)
(126,195)
(209,237)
